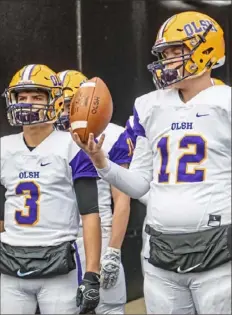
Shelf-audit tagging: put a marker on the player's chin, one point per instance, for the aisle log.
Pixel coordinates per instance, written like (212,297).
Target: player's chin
(172,86)
(178,85)
(36,126)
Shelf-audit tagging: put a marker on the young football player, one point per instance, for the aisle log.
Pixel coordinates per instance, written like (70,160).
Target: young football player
(114,217)
(183,155)
(144,199)
(47,179)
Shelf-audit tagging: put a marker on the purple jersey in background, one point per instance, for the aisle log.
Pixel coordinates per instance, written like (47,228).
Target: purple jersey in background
(122,150)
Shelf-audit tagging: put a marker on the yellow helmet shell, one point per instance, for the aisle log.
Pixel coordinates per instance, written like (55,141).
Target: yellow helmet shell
(217,82)
(71,81)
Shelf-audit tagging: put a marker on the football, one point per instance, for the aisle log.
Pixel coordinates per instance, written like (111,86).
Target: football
(91,109)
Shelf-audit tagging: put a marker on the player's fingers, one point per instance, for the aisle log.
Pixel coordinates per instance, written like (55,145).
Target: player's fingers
(91,142)
(101,140)
(79,297)
(77,139)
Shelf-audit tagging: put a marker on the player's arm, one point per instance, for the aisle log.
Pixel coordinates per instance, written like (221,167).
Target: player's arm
(121,153)
(2,206)
(85,176)
(87,198)
(111,260)
(120,217)
(134,181)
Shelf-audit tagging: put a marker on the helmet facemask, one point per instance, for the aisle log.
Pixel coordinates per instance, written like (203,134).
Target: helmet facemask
(23,113)
(163,76)
(63,123)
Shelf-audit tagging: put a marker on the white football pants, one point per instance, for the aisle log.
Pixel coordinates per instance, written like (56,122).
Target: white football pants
(207,292)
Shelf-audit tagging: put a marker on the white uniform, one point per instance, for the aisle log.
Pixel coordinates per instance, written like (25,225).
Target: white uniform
(112,301)
(41,210)
(183,154)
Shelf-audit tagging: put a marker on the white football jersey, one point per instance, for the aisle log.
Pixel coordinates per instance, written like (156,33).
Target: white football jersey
(186,149)
(41,207)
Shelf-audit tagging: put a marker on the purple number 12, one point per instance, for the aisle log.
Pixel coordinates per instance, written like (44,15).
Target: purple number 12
(183,175)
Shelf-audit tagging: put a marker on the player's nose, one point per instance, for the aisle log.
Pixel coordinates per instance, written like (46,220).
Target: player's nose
(172,65)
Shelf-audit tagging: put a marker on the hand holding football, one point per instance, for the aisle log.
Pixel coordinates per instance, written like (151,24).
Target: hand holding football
(91,109)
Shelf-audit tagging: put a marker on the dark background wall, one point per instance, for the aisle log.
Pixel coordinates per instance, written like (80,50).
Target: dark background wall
(34,31)
(117,36)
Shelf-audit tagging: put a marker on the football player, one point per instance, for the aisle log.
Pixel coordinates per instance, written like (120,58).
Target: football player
(114,217)
(144,199)
(47,179)
(183,155)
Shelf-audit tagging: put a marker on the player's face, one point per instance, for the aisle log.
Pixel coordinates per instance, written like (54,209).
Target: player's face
(66,108)
(36,101)
(40,98)
(63,123)
(176,53)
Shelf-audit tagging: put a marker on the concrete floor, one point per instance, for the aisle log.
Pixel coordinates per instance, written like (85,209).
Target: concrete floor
(136,307)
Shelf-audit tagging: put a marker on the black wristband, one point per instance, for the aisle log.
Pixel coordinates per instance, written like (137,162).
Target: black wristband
(92,277)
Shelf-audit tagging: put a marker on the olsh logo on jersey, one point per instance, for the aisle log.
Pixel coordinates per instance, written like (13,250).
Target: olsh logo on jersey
(26,174)
(182,125)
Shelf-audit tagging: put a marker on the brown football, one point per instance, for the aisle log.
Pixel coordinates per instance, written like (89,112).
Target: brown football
(91,109)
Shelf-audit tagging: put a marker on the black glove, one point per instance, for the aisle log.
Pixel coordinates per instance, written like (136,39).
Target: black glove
(88,293)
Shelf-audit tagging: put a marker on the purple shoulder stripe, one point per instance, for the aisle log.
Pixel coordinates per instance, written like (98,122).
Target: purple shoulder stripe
(138,128)
(122,150)
(82,166)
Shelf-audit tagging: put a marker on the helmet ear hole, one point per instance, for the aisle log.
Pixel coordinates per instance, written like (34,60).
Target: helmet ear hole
(208,51)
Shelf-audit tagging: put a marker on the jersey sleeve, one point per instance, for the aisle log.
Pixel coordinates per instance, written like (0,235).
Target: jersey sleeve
(80,163)
(138,128)
(135,181)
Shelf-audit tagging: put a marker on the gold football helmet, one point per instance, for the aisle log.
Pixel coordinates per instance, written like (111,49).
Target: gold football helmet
(34,77)
(71,81)
(217,82)
(204,39)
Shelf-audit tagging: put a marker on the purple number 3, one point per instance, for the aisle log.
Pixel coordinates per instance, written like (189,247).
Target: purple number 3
(183,175)
(31,192)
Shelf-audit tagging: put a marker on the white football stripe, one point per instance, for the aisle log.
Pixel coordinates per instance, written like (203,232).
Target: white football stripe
(27,72)
(88,84)
(63,75)
(161,31)
(79,124)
